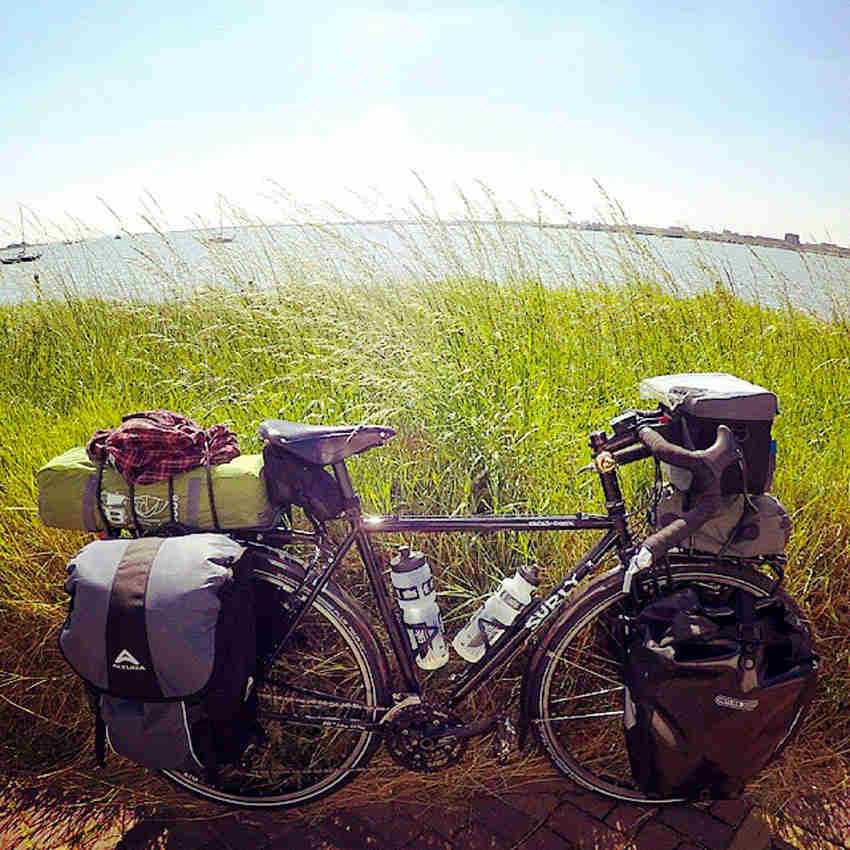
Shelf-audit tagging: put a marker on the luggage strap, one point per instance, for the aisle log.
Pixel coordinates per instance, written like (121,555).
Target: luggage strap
(208,468)
(99,726)
(131,498)
(750,634)
(131,491)
(107,527)
(213,511)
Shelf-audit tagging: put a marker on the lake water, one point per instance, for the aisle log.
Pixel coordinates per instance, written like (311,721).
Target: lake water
(155,266)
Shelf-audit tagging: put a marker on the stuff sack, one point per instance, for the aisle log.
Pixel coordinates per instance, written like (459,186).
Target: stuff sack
(68,491)
(744,527)
(713,694)
(162,630)
(699,402)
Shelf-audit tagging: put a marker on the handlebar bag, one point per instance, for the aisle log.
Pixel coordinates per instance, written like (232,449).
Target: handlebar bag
(743,527)
(713,694)
(699,402)
(162,631)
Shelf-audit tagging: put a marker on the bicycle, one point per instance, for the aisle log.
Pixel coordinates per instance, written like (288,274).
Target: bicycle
(328,698)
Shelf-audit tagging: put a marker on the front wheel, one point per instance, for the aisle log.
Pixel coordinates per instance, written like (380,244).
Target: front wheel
(574,687)
(317,703)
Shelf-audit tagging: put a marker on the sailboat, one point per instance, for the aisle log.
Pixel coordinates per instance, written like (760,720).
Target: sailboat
(219,237)
(22,256)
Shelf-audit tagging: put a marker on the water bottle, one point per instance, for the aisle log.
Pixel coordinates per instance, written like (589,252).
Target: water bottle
(488,623)
(414,589)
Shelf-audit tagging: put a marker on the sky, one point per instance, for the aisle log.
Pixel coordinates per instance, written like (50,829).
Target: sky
(703,115)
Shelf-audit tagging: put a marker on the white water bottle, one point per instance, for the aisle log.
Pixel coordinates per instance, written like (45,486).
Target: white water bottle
(489,622)
(414,590)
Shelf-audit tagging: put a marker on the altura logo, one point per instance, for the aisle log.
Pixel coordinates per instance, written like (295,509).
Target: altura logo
(126,661)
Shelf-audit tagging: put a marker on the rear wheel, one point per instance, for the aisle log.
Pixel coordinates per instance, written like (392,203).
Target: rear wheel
(331,677)
(575,690)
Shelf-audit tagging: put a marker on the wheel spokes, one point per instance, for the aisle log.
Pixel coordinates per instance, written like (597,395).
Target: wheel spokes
(582,716)
(590,694)
(587,670)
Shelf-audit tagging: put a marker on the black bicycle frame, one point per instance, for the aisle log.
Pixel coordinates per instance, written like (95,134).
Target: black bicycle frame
(363,528)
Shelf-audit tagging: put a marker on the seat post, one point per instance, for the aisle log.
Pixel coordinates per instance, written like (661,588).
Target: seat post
(344,480)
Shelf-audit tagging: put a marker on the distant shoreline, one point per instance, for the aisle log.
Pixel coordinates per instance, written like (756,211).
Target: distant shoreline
(789,243)
(727,236)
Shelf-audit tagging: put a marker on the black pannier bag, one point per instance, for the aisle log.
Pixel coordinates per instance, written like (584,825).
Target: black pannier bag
(699,402)
(162,631)
(713,694)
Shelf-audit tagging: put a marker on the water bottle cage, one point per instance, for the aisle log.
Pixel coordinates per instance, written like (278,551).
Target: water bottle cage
(433,631)
(497,626)
(416,629)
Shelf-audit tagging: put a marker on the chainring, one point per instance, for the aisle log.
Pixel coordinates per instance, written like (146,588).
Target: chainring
(414,740)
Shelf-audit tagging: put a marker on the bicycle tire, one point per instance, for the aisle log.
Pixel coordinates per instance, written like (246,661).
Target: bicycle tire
(334,655)
(589,747)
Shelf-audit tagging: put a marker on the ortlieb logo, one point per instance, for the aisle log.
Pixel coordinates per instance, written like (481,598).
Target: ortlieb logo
(125,661)
(735,703)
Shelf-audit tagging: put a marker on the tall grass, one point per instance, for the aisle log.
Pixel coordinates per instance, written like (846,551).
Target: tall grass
(493,384)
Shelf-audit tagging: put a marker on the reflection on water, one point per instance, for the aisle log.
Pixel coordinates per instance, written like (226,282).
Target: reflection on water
(156,266)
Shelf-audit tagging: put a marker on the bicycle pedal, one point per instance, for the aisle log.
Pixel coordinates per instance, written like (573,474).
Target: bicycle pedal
(505,741)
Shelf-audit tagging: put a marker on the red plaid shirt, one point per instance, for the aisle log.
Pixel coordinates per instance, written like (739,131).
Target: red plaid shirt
(154,445)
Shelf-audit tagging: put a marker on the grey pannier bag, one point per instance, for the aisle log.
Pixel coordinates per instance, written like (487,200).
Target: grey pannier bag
(745,527)
(162,630)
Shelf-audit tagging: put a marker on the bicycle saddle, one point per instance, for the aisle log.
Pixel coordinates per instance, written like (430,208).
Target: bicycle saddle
(322,444)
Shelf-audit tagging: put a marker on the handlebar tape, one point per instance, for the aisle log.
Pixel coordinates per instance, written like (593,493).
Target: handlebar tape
(707,465)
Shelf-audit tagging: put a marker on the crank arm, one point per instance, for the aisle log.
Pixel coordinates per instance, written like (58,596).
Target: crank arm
(468,730)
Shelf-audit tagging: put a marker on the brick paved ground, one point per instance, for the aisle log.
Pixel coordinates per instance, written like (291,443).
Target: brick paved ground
(538,816)
(542,815)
